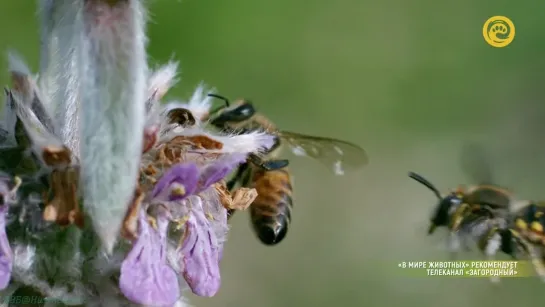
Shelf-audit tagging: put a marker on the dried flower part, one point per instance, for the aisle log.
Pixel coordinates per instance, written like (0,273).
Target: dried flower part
(21,84)
(224,194)
(243,198)
(24,86)
(200,254)
(146,278)
(240,199)
(130,223)
(171,153)
(57,156)
(198,142)
(178,150)
(150,137)
(64,206)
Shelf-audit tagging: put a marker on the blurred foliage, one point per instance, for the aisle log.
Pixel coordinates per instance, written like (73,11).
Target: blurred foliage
(408,80)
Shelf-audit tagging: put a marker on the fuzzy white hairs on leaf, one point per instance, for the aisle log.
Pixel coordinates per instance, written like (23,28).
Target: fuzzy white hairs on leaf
(113,76)
(160,81)
(61,28)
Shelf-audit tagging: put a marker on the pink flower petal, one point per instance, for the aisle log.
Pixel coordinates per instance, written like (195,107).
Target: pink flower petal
(200,255)
(146,278)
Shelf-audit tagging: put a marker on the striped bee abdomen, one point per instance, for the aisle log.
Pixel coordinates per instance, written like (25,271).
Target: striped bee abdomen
(271,211)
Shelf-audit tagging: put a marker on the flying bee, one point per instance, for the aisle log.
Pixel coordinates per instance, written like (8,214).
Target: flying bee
(484,200)
(528,219)
(271,211)
(464,207)
(473,214)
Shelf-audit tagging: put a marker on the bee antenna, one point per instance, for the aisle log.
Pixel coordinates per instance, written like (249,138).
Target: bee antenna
(425,182)
(220,97)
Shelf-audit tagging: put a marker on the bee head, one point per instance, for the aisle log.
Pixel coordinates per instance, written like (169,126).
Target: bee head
(223,116)
(441,213)
(181,116)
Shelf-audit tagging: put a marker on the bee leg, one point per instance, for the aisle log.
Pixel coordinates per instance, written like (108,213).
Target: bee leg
(231,184)
(238,177)
(537,260)
(453,244)
(464,240)
(230,213)
(493,244)
(268,165)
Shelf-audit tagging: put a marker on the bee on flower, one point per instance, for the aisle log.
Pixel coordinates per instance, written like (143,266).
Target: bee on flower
(109,196)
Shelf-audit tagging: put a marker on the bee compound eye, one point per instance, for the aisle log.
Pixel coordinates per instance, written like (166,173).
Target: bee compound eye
(456,201)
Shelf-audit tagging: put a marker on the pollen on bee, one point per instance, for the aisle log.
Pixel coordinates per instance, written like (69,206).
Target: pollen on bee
(521,224)
(537,227)
(177,189)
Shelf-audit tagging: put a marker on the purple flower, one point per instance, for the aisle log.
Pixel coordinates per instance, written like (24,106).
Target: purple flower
(218,170)
(201,250)
(177,183)
(146,278)
(6,255)
(200,254)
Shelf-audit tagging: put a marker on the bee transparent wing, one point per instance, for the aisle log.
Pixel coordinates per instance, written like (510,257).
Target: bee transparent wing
(475,163)
(337,155)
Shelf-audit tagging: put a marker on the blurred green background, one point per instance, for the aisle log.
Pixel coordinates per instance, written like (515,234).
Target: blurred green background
(410,81)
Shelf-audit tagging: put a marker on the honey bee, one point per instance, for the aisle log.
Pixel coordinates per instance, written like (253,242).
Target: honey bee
(271,211)
(483,213)
(477,214)
(468,207)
